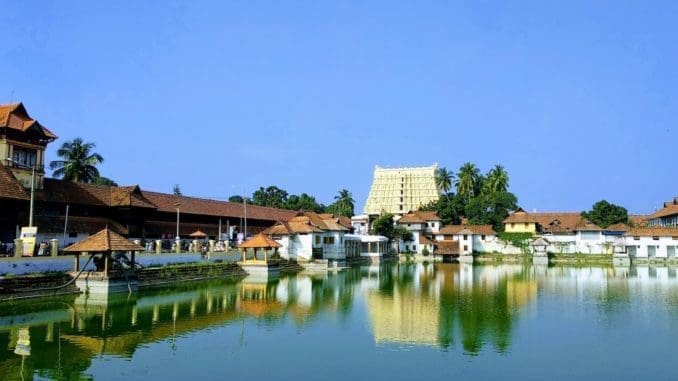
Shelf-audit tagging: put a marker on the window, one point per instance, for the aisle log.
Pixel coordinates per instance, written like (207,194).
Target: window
(482,237)
(317,240)
(401,192)
(401,199)
(401,207)
(655,238)
(465,237)
(513,225)
(408,225)
(636,238)
(328,240)
(465,247)
(406,248)
(24,156)
(433,224)
(414,247)
(525,224)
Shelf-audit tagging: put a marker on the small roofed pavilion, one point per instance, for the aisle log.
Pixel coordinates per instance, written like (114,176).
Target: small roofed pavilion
(258,242)
(105,242)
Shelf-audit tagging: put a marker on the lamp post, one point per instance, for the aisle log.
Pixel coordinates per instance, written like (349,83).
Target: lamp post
(30,212)
(178,204)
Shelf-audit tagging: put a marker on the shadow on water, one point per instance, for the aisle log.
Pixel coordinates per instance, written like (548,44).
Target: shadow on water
(441,305)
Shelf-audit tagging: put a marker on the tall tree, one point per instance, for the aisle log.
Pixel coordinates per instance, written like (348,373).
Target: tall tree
(343,205)
(303,202)
(383,225)
(497,180)
(270,196)
(467,180)
(605,214)
(236,198)
(79,162)
(444,179)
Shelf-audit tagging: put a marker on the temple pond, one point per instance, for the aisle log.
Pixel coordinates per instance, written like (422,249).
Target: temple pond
(391,321)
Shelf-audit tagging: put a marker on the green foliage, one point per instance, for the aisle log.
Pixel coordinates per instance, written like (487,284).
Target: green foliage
(79,162)
(271,196)
(383,225)
(481,199)
(519,240)
(401,233)
(425,252)
(101,180)
(343,205)
(443,179)
(491,209)
(497,180)
(236,198)
(468,180)
(303,202)
(605,214)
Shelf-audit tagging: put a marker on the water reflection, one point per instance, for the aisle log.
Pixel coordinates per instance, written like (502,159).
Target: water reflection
(445,306)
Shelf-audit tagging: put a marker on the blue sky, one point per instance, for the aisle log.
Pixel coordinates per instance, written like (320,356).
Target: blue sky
(578,100)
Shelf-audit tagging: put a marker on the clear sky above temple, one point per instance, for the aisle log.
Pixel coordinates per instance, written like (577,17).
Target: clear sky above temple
(578,100)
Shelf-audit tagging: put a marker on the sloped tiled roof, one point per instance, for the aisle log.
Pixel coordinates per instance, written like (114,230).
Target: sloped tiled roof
(417,217)
(670,208)
(10,186)
(446,247)
(104,241)
(551,222)
(474,229)
(16,117)
(653,232)
(618,227)
(259,241)
(423,240)
(166,203)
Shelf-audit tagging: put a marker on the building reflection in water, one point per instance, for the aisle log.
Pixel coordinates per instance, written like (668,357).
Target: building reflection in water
(443,305)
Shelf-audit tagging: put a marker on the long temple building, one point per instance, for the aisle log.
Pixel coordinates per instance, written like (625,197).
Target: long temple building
(401,190)
(69,211)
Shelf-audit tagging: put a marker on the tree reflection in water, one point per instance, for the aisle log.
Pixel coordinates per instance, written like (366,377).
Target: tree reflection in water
(445,306)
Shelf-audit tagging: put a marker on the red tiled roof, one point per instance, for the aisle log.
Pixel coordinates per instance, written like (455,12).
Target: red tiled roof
(417,217)
(104,241)
(618,227)
(10,186)
(192,205)
(259,241)
(550,222)
(16,117)
(423,240)
(670,208)
(446,247)
(653,232)
(474,229)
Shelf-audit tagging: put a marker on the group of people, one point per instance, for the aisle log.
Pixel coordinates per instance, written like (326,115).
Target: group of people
(6,249)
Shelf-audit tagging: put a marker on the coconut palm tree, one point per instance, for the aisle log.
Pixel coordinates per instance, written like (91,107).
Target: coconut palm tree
(444,179)
(344,203)
(497,180)
(79,162)
(467,180)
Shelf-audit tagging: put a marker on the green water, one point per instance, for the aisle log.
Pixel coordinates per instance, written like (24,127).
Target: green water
(393,322)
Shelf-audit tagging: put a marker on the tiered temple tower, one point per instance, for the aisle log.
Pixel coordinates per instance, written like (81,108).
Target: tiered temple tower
(400,190)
